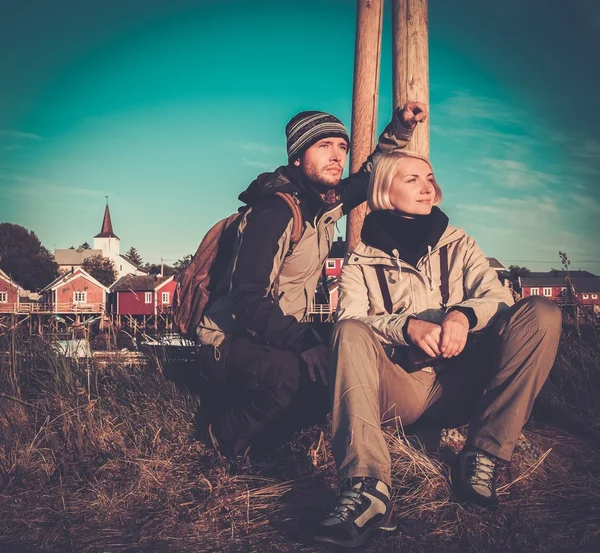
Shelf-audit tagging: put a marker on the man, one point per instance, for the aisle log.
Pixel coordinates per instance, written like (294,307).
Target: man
(260,342)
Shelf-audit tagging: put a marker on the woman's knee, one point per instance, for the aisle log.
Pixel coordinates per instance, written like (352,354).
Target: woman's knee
(544,311)
(351,330)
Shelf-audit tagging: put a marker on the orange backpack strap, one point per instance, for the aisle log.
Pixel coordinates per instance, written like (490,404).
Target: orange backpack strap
(294,205)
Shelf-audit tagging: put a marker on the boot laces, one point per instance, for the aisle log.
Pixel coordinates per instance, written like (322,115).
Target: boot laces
(348,501)
(482,470)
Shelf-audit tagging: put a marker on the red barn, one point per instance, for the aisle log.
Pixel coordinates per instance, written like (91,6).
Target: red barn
(142,295)
(554,286)
(335,260)
(9,294)
(75,292)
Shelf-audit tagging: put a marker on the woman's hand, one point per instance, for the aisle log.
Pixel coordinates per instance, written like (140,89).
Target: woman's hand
(455,330)
(425,335)
(413,113)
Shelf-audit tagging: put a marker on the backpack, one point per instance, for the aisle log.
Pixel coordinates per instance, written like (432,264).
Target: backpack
(211,260)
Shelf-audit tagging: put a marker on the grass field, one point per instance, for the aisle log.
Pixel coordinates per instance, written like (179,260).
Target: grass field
(107,459)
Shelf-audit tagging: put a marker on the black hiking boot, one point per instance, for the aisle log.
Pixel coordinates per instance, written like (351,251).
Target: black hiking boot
(362,507)
(234,456)
(475,479)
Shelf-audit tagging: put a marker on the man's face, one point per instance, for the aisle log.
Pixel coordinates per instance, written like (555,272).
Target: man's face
(324,161)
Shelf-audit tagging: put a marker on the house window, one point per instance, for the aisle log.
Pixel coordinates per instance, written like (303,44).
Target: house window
(594,296)
(79,297)
(165,297)
(548,292)
(585,296)
(563,291)
(331,264)
(3,297)
(148,297)
(534,292)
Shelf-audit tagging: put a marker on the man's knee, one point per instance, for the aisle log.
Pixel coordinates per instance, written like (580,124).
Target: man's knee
(542,311)
(284,372)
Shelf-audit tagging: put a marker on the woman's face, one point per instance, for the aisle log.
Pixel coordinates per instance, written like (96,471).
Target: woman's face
(412,191)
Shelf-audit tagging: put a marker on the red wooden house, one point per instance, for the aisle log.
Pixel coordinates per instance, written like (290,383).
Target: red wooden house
(75,292)
(335,260)
(142,295)
(9,294)
(554,286)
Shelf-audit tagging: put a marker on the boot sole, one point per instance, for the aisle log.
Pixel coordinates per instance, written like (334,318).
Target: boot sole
(387,527)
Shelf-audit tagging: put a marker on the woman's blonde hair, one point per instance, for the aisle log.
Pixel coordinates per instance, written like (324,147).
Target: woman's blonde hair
(382,175)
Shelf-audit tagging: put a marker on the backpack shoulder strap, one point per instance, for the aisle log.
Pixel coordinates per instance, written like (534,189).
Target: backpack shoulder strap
(445,280)
(298,225)
(385,289)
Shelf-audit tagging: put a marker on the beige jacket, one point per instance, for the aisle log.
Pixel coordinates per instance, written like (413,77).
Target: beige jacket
(472,283)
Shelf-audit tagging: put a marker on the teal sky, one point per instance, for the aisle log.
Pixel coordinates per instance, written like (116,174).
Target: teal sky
(171,108)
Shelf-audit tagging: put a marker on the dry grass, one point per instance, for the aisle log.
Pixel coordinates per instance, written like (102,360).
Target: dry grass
(106,460)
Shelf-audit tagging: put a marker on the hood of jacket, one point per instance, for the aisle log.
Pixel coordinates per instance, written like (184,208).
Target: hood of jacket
(266,184)
(286,178)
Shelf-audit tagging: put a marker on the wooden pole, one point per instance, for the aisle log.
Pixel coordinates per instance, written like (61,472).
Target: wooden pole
(410,60)
(367,54)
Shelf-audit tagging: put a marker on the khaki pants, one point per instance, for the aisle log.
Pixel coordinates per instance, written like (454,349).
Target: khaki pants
(492,385)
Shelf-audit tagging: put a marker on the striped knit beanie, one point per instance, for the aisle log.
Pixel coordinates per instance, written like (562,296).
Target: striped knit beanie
(308,127)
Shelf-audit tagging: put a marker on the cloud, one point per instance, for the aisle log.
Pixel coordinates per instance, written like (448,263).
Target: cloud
(24,185)
(467,106)
(589,150)
(4,133)
(512,207)
(259,164)
(259,148)
(512,174)
(585,204)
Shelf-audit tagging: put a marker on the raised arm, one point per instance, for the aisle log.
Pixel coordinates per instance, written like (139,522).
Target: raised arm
(396,135)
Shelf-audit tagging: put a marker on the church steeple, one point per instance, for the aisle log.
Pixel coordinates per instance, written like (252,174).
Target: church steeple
(107,229)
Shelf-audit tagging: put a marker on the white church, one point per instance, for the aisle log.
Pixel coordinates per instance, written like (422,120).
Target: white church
(106,244)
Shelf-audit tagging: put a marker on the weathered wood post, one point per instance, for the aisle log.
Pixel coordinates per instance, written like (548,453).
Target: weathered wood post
(367,53)
(410,69)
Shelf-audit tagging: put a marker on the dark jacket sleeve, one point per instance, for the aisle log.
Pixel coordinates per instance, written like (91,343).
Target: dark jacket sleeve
(393,137)
(252,279)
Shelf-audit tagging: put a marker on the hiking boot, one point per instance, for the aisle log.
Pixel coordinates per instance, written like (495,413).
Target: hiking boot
(228,452)
(362,507)
(475,481)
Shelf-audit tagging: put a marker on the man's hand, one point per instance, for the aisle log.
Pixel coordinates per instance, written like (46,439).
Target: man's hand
(316,361)
(413,113)
(425,335)
(455,330)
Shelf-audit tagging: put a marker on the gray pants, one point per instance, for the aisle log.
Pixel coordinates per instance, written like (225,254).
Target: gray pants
(491,385)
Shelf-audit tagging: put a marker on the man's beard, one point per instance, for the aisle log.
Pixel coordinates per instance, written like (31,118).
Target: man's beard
(321,181)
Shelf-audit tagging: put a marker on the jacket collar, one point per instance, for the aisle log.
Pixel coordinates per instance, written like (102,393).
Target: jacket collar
(406,238)
(364,254)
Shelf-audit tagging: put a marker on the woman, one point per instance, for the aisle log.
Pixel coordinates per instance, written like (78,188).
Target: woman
(413,293)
